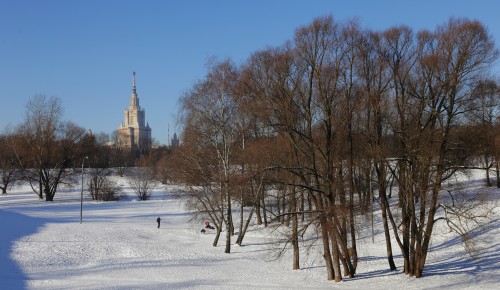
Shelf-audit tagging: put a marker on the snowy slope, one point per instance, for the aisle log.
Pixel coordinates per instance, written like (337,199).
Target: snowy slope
(118,246)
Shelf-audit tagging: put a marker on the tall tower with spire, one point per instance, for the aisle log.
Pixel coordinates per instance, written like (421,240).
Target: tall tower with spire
(134,132)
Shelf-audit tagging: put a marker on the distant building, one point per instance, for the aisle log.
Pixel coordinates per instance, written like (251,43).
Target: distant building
(175,141)
(134,132)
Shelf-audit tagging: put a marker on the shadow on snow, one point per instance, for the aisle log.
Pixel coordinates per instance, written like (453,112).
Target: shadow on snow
(13,227)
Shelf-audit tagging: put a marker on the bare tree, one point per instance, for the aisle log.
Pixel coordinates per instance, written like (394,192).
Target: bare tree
(9,167)
(142,182)
(374,78)
(269,80)
(194,165)
(211,108)
(100,186)
(46,147)
(325,94)
(433,94)
(483,111)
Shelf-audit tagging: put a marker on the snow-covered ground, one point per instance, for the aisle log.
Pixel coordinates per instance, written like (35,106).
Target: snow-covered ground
(118,246)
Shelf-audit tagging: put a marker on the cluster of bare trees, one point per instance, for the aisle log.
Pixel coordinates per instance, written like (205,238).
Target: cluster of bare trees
(45,147)
(48,153)
(307,132)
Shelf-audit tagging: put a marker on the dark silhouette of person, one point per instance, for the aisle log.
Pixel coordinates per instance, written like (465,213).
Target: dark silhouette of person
(158,220)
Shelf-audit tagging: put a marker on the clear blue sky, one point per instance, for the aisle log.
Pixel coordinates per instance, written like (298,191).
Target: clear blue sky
(85,51)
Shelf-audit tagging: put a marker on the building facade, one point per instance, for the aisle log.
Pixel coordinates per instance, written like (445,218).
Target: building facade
(134,132)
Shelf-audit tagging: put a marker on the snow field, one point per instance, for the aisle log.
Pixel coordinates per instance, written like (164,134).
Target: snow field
(118,246)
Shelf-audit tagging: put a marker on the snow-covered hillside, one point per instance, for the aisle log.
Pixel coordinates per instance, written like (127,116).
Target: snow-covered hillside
(118,246)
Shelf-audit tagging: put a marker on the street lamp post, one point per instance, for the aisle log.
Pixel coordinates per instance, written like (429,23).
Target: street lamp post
(81,195)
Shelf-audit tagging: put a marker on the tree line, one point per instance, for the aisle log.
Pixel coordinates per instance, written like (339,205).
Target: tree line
(48,153)
(316,132)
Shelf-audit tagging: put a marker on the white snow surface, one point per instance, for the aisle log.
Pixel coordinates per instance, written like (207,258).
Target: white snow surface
(118,246)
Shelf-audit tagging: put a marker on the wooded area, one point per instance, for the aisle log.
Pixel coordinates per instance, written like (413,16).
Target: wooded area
(309,133)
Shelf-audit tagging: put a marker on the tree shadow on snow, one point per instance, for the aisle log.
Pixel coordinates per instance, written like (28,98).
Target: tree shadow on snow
(481,267)
(13,227)
(484,264)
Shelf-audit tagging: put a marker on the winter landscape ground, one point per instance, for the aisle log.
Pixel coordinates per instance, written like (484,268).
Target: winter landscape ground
(118,246)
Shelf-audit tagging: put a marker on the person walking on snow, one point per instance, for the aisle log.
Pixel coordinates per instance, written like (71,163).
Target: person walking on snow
(158,220)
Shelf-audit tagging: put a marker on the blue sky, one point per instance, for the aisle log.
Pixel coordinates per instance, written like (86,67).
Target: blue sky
(85,51)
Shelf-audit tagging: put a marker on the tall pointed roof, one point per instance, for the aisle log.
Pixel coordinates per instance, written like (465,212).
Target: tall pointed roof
(133,83)
(134,100)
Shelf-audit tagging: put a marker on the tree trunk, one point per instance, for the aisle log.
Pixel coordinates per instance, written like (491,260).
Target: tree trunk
(295,229)
(352,188)
(258,216)
(264,210)
(343,252)
(354,256)
(48,194)
(241,235)
(227,250)
(257,205)
(487,165)
(287,217)
(231,224)
(219,230)
(335,254)
(217,236)
(242,208)
(302,206)
(40,190)
(390,258)
(326,251)
(327,256)
(497,167)
(382,172)
(405,221)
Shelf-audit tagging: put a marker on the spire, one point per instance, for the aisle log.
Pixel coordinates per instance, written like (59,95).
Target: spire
(133,83)
(134,100)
